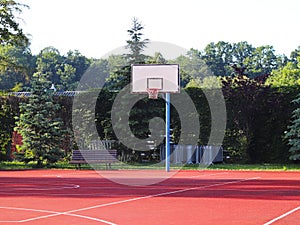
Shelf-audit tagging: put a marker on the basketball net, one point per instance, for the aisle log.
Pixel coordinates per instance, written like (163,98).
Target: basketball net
(153,93)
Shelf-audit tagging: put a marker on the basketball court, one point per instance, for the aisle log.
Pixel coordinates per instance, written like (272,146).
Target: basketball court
(129,197)
(188,197)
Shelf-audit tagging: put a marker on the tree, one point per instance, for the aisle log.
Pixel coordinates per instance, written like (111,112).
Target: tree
(158,58)
(224,58)
(294,55)
(67,75)
(242,96)
(218,57)
(10,31)
(293,135)
(286,76)
(262,61)
(136,44)
(120,70)
(209,82)
(6,120)
(16,67)
(64,71)
(14,46)
(79,62)
(49,61)
(192,67)
(38,124)
(119,79)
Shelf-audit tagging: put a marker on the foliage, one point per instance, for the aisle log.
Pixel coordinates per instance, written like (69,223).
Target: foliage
(253,111)
(202,107)
(287,76)
(136,44)
(63,71)
(257,113)
(294,55)
(16,66)
(209,82)
(158,58)
(103,114)
(255,61)
(40,128)
(270,107)
(10,31)
(119,79)
(293,134)
(218,57)
(262,61)
(192,67)
(7,121)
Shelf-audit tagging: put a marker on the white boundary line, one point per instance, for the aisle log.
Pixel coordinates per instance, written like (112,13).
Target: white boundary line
(50,212)
(282,216)
(71,212)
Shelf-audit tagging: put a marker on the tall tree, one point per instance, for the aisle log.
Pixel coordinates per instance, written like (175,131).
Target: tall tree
(294,55)
(293,135)
(16,67)
(64,71)
(10,30)
(38,124)
(13,43)
(192,67)
(262,61)
(79,62)
(48,61)
(218,57)
(136,44)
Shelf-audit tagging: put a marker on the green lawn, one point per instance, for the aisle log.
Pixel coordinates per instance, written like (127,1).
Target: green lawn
(66,165)
(266,166)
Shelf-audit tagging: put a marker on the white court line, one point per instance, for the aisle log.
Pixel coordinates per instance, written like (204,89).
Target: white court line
(282,216)
(50,212)
(139,198)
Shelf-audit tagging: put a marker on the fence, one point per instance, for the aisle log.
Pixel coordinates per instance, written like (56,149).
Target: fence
(189,154)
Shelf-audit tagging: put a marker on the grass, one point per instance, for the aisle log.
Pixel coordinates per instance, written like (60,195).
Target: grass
(265,166)
(65,165)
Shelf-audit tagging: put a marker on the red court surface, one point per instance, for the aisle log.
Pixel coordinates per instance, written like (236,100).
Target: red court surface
(189,197)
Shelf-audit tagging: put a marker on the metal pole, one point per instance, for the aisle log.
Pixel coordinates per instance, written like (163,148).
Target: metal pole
(168,122)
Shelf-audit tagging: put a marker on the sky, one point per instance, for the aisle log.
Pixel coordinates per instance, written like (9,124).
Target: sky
(96,27)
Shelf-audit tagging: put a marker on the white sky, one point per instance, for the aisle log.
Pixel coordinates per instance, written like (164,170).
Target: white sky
(95,27)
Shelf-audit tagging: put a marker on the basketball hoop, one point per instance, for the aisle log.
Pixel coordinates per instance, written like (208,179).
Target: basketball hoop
(153,93)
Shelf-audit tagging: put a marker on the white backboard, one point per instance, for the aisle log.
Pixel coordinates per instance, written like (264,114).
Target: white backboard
(164,77)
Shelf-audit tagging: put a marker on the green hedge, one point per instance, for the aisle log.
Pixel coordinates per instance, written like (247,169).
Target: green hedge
(257,118)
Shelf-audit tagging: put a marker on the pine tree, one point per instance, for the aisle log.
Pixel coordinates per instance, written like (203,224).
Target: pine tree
(293,135)
(40,128)
(136,45)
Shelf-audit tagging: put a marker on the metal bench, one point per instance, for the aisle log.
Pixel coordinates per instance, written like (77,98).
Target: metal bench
(80,157)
